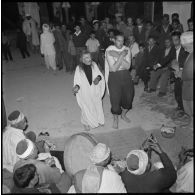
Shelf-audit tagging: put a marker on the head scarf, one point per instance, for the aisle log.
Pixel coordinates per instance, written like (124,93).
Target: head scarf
(187,38)
(142,162)
(45,27)
(100,153)
(91,180)
(15,117)
(25,148)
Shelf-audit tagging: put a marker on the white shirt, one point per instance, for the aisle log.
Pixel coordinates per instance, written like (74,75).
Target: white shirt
(92,45)
(11,137)
(134,48)
(177,52)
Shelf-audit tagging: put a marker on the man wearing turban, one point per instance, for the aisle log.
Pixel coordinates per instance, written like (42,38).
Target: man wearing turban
(138,178)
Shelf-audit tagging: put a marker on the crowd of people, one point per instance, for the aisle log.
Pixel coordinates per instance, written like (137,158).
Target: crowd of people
(113,56)
(30,166)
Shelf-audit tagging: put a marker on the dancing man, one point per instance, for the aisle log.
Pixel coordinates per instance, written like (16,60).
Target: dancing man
(89,88)
(119,82)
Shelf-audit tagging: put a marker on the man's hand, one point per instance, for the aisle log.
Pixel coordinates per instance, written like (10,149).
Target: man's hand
(124,52)
(50,161)
(155,147)
(75,89)
(97,80)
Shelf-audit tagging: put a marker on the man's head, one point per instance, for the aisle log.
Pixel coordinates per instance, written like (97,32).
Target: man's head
(63,27)
(119,41)
(92,35)
(111,33)
(131,39)
(168,42)
(176,38)
(46,27)
(26,176)
(118,19)
(129,20)
(96,25)
(28,16)
(86,58)
(149,25)
(139,21)
(151,41)
(107,20)
(26,149)
(187,41)
(190,24)
(165,19)
(141,47)
(17,120)
(101,155)
(82,20)
(77,28)
(138,162)
(175,23)
(175,16)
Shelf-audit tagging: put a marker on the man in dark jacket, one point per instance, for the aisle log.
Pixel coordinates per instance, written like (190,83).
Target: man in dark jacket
(138,178)
(161,69)
(179,59)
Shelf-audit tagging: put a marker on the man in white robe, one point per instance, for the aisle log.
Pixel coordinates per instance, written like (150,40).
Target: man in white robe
(89,95)
(47,47)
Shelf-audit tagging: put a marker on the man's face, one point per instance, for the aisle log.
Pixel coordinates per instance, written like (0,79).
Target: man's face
(82,20)
(190,26)
(148,26)
(167,43)
(118,19)
(63,27)
(86,59)
(23,124)
(96,26)
(175,25)
(119,42)
(141,49)
(176,40)
(111,34)
(107,20)
(138,21)
(174,17)
(92,36)
(129,20)
(131,39)
(165,21)
(77,28)
(151,42)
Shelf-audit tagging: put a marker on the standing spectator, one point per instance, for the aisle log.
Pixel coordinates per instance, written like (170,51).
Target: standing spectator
(161,71)
(120,25)
(72,53)
(72,23)
(129,28)
(139,31)
(152,55)
(47,47)
(65,31)
(138,178)
(6,47)
(31,32)
(187,75)
(164,30)
(176,26)
(176,16)
(93,45)
(110,39)
(22,43)
(190,24)
(85,27)
(150,31)
(133,46)
(79,40)
(108,24)
(178,62)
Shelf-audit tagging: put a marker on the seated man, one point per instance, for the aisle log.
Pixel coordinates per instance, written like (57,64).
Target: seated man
(97,178)
(162,71)
(26,180)
(12,135)
(138,178)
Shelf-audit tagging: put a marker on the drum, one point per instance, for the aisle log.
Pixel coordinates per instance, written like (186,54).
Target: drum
(76,152)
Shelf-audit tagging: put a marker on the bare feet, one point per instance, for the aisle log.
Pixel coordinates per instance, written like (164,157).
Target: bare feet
(86,127)
(124,117)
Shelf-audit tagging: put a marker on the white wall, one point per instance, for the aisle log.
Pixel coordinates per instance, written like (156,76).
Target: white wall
(183,8)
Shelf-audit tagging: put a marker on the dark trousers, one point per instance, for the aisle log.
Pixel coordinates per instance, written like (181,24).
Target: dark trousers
(24,51)
(7,52)
(178,92)
(144,74)
(121,89)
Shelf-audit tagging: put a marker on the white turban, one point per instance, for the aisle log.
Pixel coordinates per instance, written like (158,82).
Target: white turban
(143,161)
(15,118)
(100,153)
(187,38)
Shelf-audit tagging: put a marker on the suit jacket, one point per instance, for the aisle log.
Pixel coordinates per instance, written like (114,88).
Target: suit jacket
(152,57)
(182,56)
(139,36)
(165,61)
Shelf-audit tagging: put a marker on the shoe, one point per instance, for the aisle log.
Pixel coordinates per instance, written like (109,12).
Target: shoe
(161,94)
(151,90)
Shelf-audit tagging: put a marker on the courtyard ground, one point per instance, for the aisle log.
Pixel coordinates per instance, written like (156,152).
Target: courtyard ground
(47,101)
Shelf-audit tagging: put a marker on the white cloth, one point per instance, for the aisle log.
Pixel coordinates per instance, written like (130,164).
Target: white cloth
(30,28)
(134,48)
(143,161)
(50,61)
(113,60)
(186,38)
(92,45)
(11,137)
(177,52)
(44,156)
(185,178)
(89,97)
